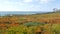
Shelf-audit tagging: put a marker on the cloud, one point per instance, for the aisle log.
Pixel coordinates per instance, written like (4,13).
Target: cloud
(24,5)
(45,1)
(8,6)
(17,6)
(27,0)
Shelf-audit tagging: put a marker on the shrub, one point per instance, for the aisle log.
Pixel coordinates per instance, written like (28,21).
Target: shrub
(33,24)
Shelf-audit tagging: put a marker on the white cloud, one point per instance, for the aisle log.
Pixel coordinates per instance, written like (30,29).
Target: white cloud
(27,0)
(36,0)
(8,8)
(21,6)
(45,1)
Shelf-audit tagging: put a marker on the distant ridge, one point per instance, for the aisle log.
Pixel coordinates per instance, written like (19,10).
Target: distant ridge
(20,13)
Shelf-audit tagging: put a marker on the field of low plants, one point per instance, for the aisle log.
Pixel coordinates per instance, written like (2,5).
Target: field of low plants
(32,28)
(48,23)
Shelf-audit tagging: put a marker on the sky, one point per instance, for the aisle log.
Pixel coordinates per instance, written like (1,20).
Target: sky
(29,5)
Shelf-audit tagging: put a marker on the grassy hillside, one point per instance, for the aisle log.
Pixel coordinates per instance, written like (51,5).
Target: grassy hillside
(47,17)
(47,23)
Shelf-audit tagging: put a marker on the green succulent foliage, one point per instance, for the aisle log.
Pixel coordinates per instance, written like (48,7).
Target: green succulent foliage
(33,24)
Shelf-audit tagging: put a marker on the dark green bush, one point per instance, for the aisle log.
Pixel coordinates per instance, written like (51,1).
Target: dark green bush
(28,24)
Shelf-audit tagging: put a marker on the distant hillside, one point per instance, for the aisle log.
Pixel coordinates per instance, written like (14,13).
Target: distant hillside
(20,13)
(51,17)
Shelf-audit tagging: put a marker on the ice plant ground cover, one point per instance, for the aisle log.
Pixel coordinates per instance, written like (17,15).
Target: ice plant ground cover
(40,23)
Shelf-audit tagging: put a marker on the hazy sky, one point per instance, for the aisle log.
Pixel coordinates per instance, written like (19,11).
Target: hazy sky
(29,5)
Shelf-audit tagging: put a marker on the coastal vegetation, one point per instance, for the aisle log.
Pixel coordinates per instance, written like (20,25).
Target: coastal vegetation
(44,23)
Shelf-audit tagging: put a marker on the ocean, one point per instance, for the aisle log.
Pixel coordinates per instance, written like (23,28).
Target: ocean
(2,13)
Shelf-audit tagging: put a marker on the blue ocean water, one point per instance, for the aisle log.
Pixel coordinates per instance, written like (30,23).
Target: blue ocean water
(2,13)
